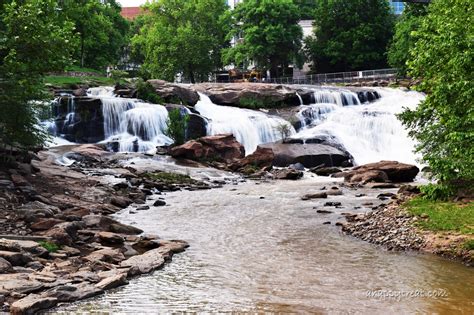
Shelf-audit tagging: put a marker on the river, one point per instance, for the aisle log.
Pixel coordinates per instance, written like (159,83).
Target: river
(257,247)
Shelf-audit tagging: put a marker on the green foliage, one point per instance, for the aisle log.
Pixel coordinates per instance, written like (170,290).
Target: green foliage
(350,35)
(33,40)
(443,124)
(306,8)
(284,129)
(101,30)
(182,36)
(469,245)
(443,216)
(50,247)
(437,191)
(271,36)
(146,92)
(403,41)
(170,178)
(251,103)
(70,82)
(176,126)
(118,75)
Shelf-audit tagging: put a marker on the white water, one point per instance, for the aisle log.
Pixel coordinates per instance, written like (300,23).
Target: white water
(137,126)
(249,127)
(339,97)
(370,132)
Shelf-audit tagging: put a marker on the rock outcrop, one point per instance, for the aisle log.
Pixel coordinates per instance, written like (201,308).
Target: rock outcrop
(383,171)
(310,155)
(271,95)
(171,92)
(211,148)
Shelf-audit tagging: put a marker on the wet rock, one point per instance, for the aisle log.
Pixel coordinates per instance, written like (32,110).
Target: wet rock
(332,204)
(106,255)
(159,203)
(262,158)
(15,258)
(35,265)
(143,208)
(385,196)
(220,147)
(121,202)
(409,190)
(32,304)
(73,292)
(327,222)
(112,282)
(124,229)
(5,265)
(382,171)
(309,155)
(287,174)
(109,238)
(324,211)
(325,171)
(45,224)
(314,196)
(170,91)
(334,191)
(32,211)
(360,195)
(19,180)
(381,185)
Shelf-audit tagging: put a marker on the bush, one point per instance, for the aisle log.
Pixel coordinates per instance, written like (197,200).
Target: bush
(146,92)
(176,126)
(443,59)
(284,129)
(50,247)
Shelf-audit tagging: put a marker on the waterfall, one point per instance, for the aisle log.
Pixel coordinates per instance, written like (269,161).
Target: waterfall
(370,132)
(338,97)
(135,125)
(249,127)
(300,98)
(101,91)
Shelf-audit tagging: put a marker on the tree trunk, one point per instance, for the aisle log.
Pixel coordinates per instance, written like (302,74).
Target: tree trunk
(82,51)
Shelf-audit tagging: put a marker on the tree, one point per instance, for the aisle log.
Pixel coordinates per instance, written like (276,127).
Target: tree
(176,125)
(102,31)
(306,8)
(402,41)
(182,37)
(33,40)
(267,33)
(350,35)
(443,124)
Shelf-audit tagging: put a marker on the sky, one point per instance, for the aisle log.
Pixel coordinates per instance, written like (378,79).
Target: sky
(131,3)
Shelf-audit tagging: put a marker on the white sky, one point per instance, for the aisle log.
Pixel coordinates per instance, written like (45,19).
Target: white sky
(131,3)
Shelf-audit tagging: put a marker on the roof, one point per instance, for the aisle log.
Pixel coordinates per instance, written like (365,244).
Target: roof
(131,13)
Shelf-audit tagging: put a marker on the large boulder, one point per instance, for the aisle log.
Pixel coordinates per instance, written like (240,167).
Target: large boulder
(310,155)
(172,91)
(382,171)
(220,147)
(262,158)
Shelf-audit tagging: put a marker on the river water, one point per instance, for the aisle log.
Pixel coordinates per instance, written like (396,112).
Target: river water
(257,247)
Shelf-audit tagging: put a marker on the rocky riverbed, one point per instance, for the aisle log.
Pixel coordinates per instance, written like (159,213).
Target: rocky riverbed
(59,243)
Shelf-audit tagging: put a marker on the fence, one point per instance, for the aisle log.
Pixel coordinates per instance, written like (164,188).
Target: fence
(338,77)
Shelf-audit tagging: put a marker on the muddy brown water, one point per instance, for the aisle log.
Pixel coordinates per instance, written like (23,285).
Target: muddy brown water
(257,247)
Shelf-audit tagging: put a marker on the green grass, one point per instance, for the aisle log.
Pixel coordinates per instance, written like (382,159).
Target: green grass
(469,245)
(50,247)
(443,215)
(171,178)
(67,82)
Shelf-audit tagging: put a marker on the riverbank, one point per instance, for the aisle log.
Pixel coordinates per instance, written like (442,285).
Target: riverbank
(59,243)
(409,222)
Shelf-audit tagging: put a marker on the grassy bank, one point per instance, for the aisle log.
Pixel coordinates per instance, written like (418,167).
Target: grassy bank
(67,82)
(445,218)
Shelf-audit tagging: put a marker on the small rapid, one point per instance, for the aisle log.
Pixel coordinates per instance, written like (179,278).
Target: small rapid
(370,132)
(249,127)
(131,124)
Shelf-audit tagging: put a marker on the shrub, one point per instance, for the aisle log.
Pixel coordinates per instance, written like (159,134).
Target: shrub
(176,126)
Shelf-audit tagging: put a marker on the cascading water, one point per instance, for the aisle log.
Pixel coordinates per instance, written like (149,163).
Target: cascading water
(338,97)
(249,127)
(370,132)
(133,124)
(101,91)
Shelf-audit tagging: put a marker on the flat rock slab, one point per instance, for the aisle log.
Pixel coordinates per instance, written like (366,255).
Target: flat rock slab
(32,304)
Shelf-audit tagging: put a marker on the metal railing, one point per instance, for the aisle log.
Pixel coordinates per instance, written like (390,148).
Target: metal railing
(338,77)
